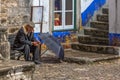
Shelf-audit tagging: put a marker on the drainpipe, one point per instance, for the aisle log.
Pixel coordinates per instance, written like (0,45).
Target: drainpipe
(79,15)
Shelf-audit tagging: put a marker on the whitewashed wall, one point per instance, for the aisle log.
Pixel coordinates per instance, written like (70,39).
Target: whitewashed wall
(85,4)
(114,16)
(45,4)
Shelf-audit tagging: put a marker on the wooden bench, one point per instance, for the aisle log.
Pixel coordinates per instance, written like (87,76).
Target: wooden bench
(14,54)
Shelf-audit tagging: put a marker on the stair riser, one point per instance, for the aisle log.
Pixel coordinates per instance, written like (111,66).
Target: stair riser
(96,33)
(105,11)
(102,26)
(89,40)
(96,49)
(102,18)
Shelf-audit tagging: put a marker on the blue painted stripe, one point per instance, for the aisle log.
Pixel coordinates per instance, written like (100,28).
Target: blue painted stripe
(114,39)
(89,12)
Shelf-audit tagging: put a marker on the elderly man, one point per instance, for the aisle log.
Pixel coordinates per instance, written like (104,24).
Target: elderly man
(26,42)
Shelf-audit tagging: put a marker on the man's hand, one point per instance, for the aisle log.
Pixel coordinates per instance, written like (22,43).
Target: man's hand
(35,43)
(38,42)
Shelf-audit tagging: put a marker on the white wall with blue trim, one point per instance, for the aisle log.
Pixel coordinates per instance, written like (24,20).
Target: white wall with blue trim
(88,7)
(114,22)
(45,23)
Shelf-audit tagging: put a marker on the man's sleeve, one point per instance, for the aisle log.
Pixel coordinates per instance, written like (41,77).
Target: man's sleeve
(23,40)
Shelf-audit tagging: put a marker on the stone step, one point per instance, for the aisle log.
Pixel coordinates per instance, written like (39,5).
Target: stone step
(96,48)
(105,11)
(102,18)
(16,70)
(96,32)
(99,25)
(85,39)
(81,57)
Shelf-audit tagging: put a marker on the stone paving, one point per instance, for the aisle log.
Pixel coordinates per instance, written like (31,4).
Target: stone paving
(51,69)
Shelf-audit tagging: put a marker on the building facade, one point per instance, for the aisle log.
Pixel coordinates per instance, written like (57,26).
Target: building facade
(61,18)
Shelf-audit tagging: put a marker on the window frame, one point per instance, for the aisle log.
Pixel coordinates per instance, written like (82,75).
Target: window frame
(41,14)
(73,17)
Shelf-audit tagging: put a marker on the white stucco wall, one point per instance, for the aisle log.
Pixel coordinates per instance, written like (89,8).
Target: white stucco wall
(45,4)
(85,4)
(48,13)
(114,16)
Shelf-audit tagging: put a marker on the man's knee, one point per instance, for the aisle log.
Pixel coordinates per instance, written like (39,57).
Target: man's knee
(34,48)
(27,47)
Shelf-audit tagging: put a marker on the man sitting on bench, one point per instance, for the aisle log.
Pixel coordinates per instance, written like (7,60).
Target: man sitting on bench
(26,42)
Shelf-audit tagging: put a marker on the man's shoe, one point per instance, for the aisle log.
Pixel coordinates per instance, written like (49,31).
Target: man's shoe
(37,62)
(60,60)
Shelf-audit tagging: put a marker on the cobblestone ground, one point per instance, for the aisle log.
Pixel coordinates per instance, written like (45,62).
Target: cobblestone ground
(52,70)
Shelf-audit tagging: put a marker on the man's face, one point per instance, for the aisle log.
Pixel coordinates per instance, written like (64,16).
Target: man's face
(30,29)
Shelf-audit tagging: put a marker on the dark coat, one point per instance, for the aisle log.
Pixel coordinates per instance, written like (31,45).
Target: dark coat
(22,39)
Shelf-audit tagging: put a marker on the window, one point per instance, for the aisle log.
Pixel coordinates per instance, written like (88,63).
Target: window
(63,14)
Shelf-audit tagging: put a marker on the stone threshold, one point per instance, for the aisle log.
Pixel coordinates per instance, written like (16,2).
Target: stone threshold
(81,57)
(95,29)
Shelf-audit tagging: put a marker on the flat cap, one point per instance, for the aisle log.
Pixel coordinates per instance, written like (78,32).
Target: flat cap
(30,24)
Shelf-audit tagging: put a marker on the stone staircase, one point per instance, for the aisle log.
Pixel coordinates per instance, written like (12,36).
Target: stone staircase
(96,37)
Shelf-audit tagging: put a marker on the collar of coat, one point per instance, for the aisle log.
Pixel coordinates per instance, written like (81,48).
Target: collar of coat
(24,29)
